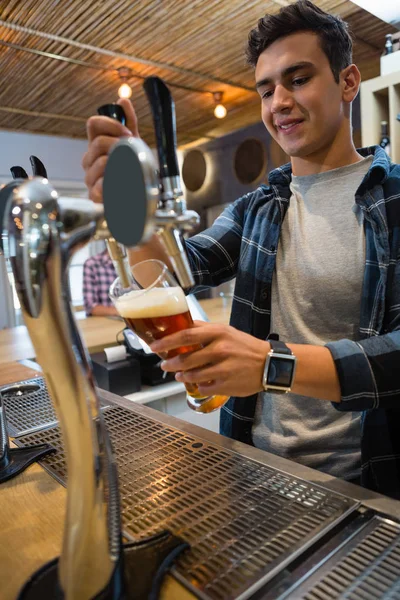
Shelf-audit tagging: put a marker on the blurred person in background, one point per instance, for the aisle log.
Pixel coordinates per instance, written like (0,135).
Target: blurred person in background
(98,275)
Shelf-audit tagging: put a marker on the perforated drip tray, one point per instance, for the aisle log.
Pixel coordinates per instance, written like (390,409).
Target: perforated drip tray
(245,521)
(366,567)
(28,406)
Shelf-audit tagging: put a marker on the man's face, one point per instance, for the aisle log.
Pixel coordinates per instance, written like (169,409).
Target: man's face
(301,103)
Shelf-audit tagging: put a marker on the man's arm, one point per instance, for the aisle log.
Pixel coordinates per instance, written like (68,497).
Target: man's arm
(368,371)
(231,362)
(354,375)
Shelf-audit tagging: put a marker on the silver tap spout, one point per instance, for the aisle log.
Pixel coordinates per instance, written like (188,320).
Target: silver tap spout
(43,234)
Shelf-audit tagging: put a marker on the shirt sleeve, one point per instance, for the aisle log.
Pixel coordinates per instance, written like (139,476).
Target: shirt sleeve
(214,253)
(90,296)
(368,372)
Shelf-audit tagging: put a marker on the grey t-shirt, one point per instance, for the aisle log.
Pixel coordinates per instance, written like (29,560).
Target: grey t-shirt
(316,295)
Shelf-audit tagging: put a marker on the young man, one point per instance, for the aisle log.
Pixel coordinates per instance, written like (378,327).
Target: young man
(316,260)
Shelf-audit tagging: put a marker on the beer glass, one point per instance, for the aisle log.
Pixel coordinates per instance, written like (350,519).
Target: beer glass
(154,306)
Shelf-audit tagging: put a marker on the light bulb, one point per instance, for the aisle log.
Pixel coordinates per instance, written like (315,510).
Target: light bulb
(124,91)
(220,111)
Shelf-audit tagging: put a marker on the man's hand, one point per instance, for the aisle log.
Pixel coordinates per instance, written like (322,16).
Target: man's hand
(103,133)
(230,362)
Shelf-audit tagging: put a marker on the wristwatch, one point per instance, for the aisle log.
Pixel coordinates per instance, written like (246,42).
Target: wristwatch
(279,369)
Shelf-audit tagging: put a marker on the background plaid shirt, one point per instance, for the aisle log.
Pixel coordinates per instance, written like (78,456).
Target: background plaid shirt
(243,242)
(98,275)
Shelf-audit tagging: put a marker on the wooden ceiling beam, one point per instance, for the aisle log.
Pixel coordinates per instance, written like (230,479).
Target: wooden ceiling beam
(127,57)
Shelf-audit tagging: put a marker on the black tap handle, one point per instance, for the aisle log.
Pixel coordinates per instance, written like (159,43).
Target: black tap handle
(38,168)
(115,111)
(163,110)
(18,173)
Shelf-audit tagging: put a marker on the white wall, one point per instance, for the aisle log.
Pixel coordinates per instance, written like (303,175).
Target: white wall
(61,156)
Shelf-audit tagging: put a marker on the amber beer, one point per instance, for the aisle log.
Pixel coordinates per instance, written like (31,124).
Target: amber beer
(159,312)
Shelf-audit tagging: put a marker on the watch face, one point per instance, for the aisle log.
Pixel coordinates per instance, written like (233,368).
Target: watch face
(280,371)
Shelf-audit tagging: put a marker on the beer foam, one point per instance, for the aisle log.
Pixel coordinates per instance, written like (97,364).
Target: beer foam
(157,302)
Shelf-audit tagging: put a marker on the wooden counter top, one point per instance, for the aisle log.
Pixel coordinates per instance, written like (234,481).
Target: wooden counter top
(31,527)
(32,519)
(13,372)
(97,332)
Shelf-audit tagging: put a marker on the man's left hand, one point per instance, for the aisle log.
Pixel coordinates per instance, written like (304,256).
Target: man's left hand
(229,361)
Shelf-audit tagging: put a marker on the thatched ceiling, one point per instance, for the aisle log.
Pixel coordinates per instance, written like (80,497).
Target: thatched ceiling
(194,43)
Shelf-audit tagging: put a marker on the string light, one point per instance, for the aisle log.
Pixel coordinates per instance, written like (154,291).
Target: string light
(219,110)
(124,90)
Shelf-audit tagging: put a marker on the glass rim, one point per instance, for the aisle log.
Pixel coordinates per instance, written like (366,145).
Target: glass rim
(142,291)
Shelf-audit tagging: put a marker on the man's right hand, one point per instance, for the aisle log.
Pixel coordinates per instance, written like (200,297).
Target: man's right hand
(103,133)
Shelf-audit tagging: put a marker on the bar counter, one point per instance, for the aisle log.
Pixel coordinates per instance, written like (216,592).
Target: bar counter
(32,504)
(228,500)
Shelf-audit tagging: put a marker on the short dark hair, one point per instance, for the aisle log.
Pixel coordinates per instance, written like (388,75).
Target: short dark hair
(303,15)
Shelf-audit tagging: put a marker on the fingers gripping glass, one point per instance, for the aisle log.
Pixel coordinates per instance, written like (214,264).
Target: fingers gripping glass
(154,306)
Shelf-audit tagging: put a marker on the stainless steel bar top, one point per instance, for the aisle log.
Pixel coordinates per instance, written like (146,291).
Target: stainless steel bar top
(250,517)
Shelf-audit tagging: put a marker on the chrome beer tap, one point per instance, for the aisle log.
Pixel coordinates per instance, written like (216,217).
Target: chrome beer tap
(42,234)
(139,200)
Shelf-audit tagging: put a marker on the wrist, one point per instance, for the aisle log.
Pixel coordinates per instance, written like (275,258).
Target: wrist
(279,368)
(265,348)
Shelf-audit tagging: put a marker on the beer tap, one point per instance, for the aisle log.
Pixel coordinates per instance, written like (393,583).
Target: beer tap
(18,172)
(14,460)
(41,233)
(139,200)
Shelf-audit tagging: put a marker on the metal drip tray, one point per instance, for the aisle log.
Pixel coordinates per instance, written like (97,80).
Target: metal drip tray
(367,567)
(28,406)
(245,521)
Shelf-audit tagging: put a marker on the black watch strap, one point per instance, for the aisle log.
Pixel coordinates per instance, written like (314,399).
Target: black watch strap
(278,346)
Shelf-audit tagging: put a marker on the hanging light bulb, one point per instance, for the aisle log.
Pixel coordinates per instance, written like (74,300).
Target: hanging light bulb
(219,110)
(124,90)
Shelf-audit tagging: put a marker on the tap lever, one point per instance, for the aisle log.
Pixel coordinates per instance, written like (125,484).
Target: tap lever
(38,168)
(163,111)
(18,172)
(114,111)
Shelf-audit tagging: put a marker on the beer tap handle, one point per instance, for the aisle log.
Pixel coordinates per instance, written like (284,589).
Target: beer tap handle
(38,168)
(114,111)
(18,172)
(131,169)
(163,111)
(117,252)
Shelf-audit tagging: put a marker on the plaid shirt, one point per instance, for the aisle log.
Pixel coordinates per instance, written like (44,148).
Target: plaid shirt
(98,275)
(243,242)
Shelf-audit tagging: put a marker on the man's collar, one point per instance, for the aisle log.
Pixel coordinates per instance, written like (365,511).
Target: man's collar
(377,173)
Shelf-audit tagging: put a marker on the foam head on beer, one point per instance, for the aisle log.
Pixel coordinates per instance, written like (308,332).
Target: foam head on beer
(157,302)
(155,313)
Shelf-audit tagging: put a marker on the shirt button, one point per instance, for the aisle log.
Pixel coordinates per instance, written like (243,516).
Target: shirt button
(264,294)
